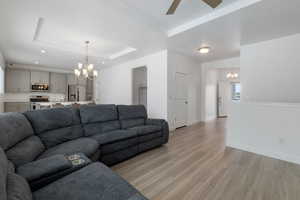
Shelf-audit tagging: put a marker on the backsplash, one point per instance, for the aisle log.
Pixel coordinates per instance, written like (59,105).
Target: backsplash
(24,97)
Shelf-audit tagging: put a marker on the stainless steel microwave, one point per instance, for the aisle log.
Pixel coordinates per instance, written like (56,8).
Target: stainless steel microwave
(39,87)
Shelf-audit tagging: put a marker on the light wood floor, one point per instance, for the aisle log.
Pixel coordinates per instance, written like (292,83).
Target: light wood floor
(195,165)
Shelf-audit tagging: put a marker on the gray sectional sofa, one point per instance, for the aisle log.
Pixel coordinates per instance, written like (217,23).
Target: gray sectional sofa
(40,151)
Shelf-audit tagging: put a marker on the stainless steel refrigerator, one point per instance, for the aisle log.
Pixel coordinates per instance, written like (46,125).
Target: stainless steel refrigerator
(76,93)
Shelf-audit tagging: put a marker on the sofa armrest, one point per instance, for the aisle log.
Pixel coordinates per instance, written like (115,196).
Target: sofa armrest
(164,126)
(44,167)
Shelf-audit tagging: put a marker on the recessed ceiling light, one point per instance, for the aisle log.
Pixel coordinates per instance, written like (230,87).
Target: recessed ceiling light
(103,62)
(204,50)
(36,62)
(43,51)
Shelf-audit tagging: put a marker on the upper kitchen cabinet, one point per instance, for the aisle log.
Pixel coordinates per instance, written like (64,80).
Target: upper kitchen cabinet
(17,80)
(58,83)
(39,77)
(72,79)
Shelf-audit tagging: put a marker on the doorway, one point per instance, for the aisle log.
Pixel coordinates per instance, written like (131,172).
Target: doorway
(223,98)
(139,86)
(227,92)
(181,100)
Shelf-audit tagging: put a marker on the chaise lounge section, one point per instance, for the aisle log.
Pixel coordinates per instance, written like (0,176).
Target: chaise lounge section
(93,182)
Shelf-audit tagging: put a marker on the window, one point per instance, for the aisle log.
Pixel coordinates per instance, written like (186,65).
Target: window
(236,91)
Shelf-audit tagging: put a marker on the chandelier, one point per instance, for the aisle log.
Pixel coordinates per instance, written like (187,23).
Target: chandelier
(232,75)
(86,70)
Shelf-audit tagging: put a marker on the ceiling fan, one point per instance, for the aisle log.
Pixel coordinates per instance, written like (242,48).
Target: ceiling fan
(175,4)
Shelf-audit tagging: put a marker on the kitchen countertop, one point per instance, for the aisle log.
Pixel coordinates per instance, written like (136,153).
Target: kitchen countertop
(24,97)
(63,103)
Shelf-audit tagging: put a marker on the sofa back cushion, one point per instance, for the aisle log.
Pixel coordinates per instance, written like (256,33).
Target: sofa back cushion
(132,115)
(97,119)
(56,126)
(3,174)
(18,140)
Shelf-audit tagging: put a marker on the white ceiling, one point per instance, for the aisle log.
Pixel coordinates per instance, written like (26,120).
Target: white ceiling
(115,25)
(264,20)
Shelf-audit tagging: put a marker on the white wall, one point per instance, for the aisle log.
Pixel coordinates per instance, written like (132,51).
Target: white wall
(268,129)
(225,63)
(270,70)
(2,81)
(209,95)
(192,68)
(269,73)
(114,85)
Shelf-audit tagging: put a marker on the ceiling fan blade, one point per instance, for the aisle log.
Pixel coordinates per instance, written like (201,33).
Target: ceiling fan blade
(173,7)
(213,3)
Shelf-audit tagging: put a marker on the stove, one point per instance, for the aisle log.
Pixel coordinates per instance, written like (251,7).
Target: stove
(35,100)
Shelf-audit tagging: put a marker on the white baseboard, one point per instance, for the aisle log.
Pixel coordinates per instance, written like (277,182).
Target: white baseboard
(194,122)
(269,153)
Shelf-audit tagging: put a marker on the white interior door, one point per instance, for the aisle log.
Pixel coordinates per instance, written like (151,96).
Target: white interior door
(223,98)
(181,100)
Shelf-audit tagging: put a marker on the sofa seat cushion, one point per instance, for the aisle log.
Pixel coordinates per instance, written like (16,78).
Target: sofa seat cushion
(94,182)
(114,136)
(82,145)
(44,167)
(145,130)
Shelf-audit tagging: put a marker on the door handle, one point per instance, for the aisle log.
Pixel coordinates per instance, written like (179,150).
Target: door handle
(186,102)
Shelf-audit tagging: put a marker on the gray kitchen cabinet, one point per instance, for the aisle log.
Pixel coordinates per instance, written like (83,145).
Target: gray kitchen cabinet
(73,80)
(17,81)
(39,77)
(16,106)
(58,83)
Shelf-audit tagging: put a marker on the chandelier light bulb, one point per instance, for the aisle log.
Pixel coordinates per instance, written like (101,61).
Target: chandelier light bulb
(77,72)
(90,67)
(85,72)
(95,73)
(80,65)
